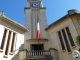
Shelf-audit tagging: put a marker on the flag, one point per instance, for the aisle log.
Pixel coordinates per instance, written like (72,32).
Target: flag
(38,30)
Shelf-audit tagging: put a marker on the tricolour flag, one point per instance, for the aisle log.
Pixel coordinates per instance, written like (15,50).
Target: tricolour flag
(38,30)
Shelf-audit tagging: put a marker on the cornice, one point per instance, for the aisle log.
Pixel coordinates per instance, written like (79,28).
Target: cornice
(12,23)
(61,19)
(28,8)
(35,40)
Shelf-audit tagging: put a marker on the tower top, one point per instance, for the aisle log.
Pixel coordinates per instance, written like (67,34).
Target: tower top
(33,0)
(35,3)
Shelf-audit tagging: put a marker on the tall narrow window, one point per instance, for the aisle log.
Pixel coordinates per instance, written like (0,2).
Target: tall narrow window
(70,37)
(3,39)
(8,42)
(66,40)
(13,42)
(61,40)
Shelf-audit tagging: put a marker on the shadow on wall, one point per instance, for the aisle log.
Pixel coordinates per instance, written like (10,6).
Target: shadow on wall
(16,56)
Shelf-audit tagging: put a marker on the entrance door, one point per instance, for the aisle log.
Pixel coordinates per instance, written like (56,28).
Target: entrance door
(37,47)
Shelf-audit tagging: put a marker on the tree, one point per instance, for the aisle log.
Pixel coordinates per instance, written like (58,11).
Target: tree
(78,41)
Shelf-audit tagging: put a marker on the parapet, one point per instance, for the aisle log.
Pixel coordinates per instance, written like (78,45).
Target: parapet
(73,11)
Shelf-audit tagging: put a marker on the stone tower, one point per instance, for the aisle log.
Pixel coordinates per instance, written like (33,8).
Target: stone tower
(33,11)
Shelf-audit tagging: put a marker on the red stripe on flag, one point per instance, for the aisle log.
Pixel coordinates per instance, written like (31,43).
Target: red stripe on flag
(38,30)
(38,35)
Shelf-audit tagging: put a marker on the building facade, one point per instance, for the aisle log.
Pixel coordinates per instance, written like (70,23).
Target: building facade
(11,38)
(57,41)
(63,35)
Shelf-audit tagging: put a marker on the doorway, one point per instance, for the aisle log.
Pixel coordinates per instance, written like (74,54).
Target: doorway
(35,47)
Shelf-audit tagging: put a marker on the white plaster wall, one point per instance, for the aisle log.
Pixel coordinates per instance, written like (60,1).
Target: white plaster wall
(19,41)
(1,33)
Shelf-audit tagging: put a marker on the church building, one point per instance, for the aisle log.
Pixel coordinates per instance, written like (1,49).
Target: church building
(37,40)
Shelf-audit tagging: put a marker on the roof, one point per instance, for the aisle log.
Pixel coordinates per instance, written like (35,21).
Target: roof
(61,19)
(11,22)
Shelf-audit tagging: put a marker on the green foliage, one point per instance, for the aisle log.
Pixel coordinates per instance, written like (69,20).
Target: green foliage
(78,40)
(79,50)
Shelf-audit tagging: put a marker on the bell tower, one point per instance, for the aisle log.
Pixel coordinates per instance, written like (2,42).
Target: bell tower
(34,11)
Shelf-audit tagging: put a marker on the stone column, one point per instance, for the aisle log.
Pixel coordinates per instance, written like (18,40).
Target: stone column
(10,42)
(6,39)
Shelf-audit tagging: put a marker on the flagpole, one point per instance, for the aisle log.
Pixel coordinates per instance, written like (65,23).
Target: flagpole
(38,44)
(38,27)
(38,39)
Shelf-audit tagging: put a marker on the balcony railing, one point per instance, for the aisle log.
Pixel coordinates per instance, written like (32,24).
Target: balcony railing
(38,54)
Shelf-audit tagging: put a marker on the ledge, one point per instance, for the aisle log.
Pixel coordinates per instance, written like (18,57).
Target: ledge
(1,50)
(5,56)
(53,49)
(63,50)
(73,47)
(11,53)
(33,8)
(35,40)
(39,57)
(69,52)
(23,50)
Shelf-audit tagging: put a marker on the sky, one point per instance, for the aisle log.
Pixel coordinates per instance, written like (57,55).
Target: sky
(55,9)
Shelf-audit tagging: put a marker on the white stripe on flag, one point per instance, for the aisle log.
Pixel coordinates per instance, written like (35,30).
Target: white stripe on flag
(38,30)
